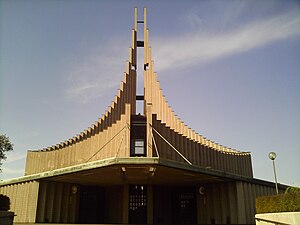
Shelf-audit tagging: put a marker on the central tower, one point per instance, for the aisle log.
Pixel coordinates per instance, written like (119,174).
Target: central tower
(141,125)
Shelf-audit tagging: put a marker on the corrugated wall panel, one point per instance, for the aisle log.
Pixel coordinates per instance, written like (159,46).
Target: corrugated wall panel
(23,198)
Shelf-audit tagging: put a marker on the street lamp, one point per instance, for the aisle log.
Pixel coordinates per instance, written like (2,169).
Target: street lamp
(272,156)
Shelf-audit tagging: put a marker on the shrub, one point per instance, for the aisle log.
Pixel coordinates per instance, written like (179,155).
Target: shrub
(292,190)
(288,202)
(4,203)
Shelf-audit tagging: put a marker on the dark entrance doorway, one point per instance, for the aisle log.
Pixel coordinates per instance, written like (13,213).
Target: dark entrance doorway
(174,205)
(184,206)
(137,204)
(91,205)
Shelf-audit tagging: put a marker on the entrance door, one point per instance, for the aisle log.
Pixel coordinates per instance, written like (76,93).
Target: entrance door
(91,206)
(184,206)
(137,204)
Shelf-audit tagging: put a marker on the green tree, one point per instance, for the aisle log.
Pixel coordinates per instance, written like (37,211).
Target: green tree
(5,146)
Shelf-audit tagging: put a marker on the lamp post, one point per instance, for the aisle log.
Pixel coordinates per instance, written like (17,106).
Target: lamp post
(272,156)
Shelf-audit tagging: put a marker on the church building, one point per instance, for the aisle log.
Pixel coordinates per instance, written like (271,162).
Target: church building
(130,168)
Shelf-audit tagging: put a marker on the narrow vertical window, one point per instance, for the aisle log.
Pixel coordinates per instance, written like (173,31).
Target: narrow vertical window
(139,147)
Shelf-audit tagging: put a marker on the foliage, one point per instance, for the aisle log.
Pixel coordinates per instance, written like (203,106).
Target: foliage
(4,203)
(288,202)
(5,146)
(292,190)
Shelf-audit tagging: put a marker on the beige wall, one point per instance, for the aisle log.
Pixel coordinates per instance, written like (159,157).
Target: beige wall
(292,218)
(23,198)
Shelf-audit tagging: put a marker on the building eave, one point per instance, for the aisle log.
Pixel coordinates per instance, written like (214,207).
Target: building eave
(139,161)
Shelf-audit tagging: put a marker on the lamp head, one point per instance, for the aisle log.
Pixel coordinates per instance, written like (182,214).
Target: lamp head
(272,155)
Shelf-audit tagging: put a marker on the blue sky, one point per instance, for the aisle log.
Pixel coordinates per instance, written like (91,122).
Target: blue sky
(229,69)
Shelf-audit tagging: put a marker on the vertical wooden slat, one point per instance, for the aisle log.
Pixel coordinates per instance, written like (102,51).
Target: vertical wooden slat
(57,202)
(65,203)
(174,143)
(241,203)
(232,203)
(50,202)
(125,203)
(150,204)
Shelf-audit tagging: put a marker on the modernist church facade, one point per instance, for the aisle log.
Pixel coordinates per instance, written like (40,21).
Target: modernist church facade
(137,169)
